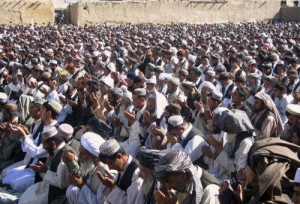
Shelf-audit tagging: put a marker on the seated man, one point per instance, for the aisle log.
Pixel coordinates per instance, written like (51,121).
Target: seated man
(85,186)
(176,172)
(296,195)
(54,185)
(147,159)
(268,181)
(239,139)
(18,175)
(127,184)
(266,119)
(185,137)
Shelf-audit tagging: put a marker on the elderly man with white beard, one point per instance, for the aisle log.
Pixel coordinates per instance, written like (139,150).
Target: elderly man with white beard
(233,156)
(85,186)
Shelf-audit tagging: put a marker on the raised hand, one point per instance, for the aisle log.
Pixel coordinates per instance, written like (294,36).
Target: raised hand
(68,156)
(107,179)
(39,167)
(162,198)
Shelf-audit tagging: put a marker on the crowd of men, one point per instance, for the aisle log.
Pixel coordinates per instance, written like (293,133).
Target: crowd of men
(150,114)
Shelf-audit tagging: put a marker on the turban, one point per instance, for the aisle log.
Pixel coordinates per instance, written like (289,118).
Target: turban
(92,142)
(233,121)
(172,162)
(148,157)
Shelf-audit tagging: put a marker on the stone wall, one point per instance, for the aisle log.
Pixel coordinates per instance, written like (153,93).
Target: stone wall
(290,13)
(188,11)
(26,11)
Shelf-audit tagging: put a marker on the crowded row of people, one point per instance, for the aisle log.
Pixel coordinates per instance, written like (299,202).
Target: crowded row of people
(150,113)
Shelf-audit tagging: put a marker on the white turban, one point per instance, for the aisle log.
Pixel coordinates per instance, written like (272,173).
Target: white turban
(209,85)
(92,142)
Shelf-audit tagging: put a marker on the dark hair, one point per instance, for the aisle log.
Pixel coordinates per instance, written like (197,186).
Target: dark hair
(296,129)
(57,139)
(280,87)
(103,157)
(49,108)
(243,92)
(234,59)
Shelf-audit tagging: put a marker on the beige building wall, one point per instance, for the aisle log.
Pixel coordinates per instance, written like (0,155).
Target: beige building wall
(26,11)
(175,11)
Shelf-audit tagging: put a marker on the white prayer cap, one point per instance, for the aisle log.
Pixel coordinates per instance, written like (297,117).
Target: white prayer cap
(127,94)
(175,120)
(111,67)
(106,53)
(140,92)
(251,62)
(108,81)
(39,101)
(49,52)
(293,109)
(209,85)
(110,147)
(95,53)
(55,106)
(164,76)
(192,58)
(152,80)
(53,62)
(92,142)
(49,132)
(297,176)
(11,64)
(174,81)
(217,95)
(65,130)
(211,73)
(3,98)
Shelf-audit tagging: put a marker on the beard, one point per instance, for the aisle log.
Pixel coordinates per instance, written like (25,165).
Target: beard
(86,167)
(146,186)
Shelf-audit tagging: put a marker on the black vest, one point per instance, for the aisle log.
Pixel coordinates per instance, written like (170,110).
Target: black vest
(194,131)
(258,124)
(227,95)
(55,192)
(124,182)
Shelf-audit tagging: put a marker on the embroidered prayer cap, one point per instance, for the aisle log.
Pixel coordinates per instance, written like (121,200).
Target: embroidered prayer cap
(175,120)
(140,92)
(65,130)
(56,107)
(49,132)
(109,147)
